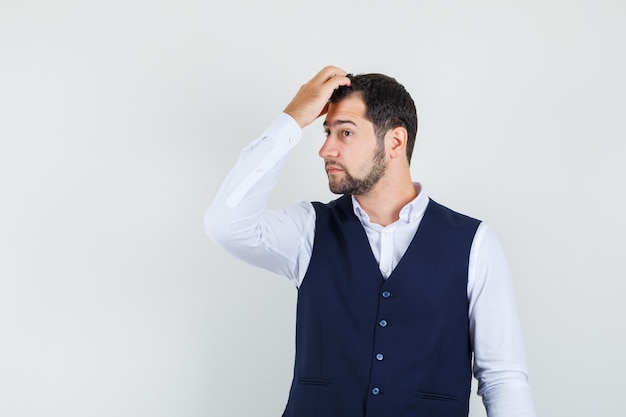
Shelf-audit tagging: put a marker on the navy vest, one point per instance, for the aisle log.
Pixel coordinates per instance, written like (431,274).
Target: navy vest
(370,347)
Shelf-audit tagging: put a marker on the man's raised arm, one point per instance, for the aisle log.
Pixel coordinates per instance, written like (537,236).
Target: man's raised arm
(238,218)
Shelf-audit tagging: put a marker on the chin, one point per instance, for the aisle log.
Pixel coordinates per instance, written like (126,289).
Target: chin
(334,188)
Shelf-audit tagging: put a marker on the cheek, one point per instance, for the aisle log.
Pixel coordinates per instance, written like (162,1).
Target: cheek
(364,167)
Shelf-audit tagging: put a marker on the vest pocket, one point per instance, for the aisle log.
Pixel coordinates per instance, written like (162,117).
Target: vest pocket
(435,396)
(321,382)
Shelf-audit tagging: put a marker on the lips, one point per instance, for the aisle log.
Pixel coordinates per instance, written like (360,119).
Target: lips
(333,167)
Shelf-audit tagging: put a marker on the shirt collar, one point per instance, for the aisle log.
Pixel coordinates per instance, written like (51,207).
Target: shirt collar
(413,211)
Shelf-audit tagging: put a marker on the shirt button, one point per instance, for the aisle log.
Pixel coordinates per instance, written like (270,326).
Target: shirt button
(386,294)
(385,269)
(375,391)
(292,139)
(379,357)
(382,323)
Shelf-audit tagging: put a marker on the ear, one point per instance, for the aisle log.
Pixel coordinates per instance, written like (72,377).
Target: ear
(397,139)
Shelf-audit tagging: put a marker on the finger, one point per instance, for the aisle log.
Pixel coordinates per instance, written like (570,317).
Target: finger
(334,83)
(339,80)
(328,73)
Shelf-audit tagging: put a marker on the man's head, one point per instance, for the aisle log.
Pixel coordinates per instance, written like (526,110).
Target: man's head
(388,104)
(355,160)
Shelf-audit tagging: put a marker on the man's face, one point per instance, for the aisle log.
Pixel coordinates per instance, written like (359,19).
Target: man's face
(354,159)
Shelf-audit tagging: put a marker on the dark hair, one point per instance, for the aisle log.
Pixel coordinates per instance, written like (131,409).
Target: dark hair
(388,104)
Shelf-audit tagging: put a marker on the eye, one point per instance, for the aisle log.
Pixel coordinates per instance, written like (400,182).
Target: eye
(346,133)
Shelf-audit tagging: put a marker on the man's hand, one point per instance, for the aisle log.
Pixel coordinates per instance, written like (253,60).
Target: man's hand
(311,101)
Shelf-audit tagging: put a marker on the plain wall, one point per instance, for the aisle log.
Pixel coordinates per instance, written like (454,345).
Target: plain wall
(119,119)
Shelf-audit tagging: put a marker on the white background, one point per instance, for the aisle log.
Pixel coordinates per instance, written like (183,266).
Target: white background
(119,119)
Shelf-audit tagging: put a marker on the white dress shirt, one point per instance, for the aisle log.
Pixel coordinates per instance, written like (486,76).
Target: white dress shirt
(282,241)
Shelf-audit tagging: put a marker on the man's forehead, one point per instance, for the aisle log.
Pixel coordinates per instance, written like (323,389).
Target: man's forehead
(349,110)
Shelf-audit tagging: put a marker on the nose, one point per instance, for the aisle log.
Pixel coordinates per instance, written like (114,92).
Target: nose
(328,149)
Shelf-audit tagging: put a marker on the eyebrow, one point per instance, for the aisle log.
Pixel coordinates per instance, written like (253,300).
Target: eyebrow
(339,122)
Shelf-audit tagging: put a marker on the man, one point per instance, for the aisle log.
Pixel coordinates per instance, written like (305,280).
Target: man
(395,292)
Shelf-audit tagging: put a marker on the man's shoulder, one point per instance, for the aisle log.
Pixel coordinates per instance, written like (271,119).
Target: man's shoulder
(452,217)
(338,202)
(341,207)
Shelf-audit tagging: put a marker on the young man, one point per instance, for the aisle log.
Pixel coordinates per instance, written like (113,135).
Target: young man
(395,291)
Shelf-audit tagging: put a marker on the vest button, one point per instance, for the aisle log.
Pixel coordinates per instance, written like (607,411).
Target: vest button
(379,356)
(375,391)
(382,323)
(386,294)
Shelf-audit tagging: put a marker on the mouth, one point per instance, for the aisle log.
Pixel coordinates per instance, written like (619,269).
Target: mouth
(333,167)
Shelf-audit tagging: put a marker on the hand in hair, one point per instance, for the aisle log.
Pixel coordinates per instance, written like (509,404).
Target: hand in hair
(311,101)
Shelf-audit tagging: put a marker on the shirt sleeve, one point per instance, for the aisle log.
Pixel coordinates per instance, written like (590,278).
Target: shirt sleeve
(499,358)
(238,219)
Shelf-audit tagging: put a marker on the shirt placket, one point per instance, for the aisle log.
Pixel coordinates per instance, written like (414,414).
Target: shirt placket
(386,251)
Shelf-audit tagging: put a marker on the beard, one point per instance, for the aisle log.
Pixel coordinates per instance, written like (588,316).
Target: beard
(359,186)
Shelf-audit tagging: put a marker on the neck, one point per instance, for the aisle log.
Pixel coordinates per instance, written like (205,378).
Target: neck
(384,202)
